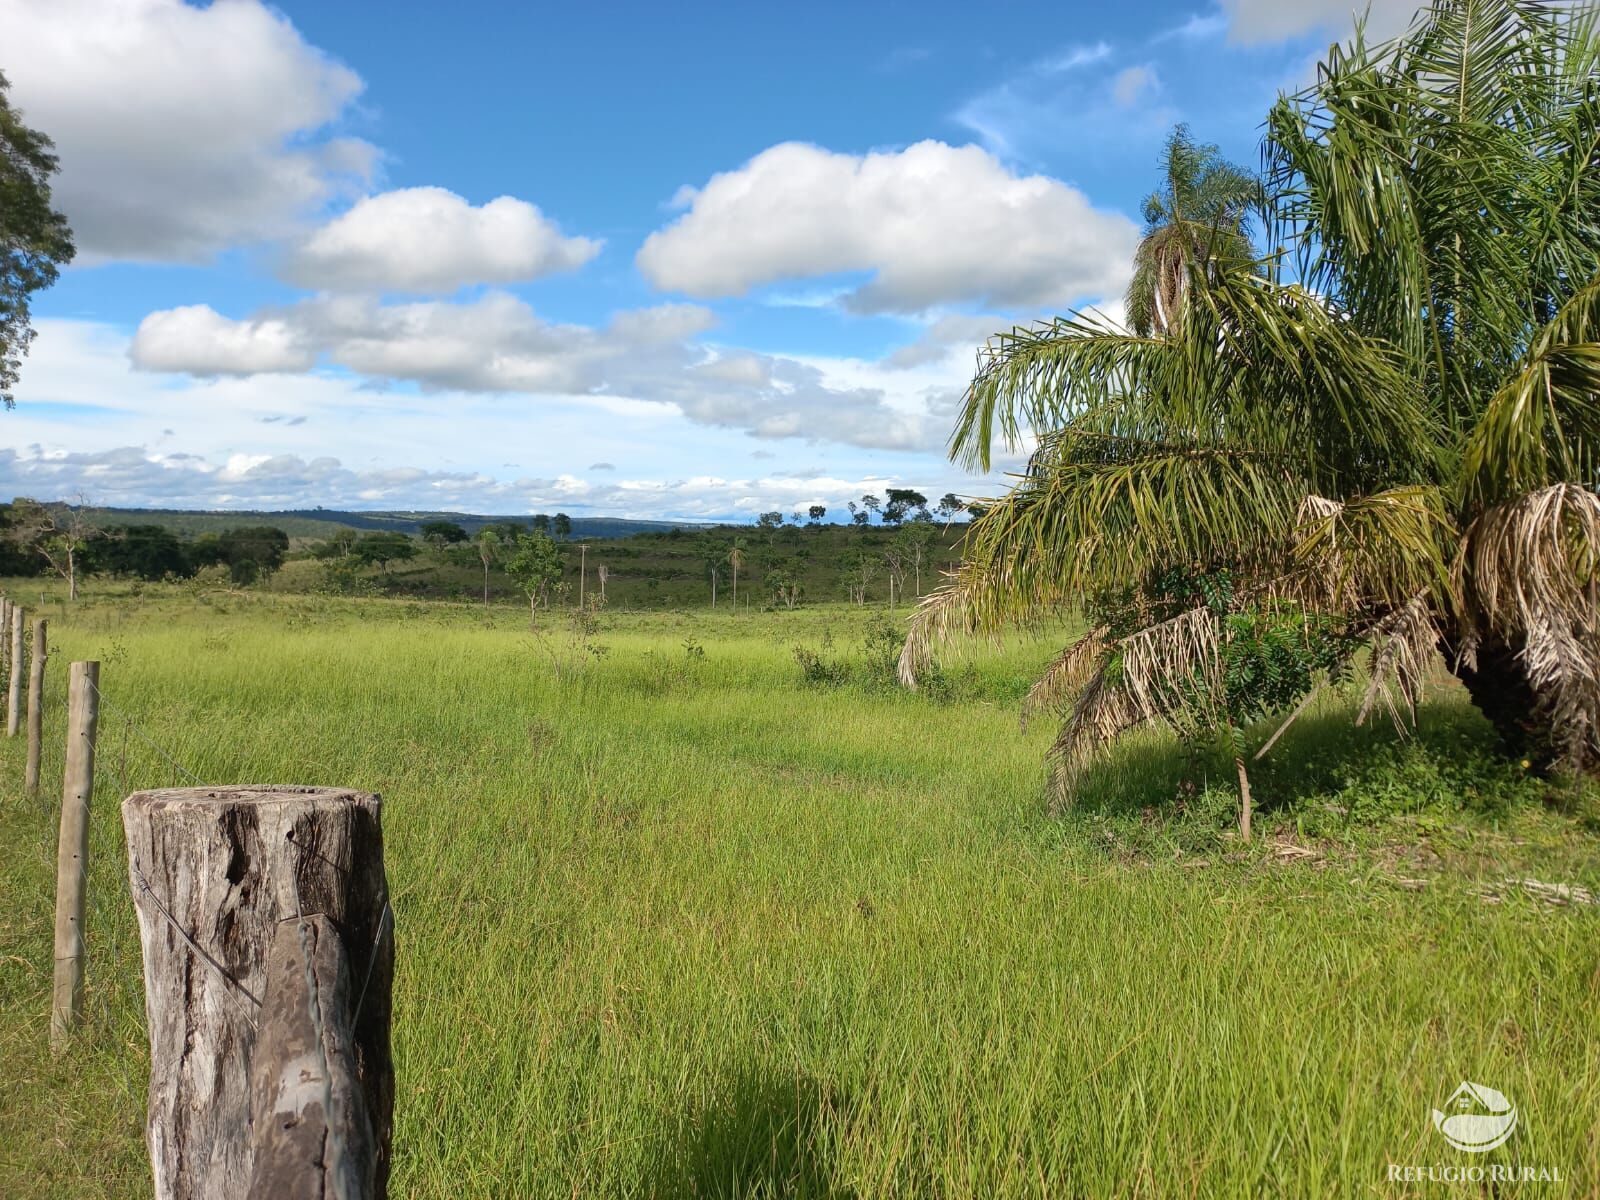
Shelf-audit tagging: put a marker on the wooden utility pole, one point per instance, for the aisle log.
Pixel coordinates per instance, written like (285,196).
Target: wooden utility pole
(14,692)
(72,852)
(268,956)
(36,706)
(583,569)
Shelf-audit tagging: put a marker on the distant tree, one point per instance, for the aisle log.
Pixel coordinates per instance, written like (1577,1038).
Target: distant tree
(264,545)
(439,534)
(871,504)
(561,526)
(34,238)
(57,533)
(859,569)
(535,563)
(381,548)
(713,555)
(894,558)
(541,522)
(903,502)
(913,541)
(769,520)
(488,546)
(736,556)
(507,531)
(783,581)
(816,512)
(336,546)
(140,551)
(949,506)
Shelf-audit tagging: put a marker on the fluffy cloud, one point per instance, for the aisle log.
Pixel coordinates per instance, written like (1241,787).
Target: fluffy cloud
(1255,21)
(200,341)
(427,239)
(181,130)
(932,224)
(498,344)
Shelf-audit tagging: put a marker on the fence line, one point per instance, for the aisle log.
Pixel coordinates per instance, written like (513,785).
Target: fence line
(279,1115)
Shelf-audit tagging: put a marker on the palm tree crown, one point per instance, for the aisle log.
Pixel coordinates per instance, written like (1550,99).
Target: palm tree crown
(1197,216)
(1398,443)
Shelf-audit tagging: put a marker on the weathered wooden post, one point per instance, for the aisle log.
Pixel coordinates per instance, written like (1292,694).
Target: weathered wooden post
(268,956)
(72,852)
(14,694)
(36,706)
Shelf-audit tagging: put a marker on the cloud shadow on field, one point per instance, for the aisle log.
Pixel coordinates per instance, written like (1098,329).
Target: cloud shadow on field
(761,1133)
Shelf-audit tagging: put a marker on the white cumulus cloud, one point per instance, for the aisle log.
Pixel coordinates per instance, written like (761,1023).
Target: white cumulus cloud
(1255,21)
(932,224)
(181,130)
(198,340)
(428,239)
(498,344)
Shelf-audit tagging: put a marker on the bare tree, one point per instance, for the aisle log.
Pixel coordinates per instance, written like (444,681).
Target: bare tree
(57,533)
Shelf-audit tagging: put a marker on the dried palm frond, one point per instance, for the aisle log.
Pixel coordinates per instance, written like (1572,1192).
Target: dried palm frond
(1151,675)
(1403,644)
(1528,574)
(1374,552)
(1066,675)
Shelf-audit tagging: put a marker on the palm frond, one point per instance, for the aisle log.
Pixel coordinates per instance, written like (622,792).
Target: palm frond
(1065,676)
(1404,644)
(1529,574)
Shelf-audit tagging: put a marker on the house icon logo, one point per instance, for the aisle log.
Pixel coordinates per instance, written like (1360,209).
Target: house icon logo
(1477,1119)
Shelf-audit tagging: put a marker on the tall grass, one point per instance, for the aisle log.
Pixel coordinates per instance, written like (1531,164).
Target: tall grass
(672,922)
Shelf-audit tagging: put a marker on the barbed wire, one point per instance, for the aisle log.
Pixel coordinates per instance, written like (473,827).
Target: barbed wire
(138,730)
(144,886)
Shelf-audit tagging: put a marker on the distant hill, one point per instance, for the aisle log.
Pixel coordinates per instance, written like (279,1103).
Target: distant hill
(324,522)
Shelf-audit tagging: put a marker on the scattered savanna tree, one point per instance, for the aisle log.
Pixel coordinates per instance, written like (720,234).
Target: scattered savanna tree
(737,553)
(440,534)
(1389,425)
(487,544)
(816,512)
(561,526)
(535,564)
(57,533)
(382,547)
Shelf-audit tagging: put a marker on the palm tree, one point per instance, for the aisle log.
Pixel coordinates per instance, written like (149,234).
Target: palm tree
(1197,216)
(488,543)
(1399,448)
(736,557)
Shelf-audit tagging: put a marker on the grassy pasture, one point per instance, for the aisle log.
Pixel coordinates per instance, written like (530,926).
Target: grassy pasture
(672,923)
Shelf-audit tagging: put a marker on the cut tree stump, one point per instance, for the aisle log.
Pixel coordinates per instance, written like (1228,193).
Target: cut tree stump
(216,873)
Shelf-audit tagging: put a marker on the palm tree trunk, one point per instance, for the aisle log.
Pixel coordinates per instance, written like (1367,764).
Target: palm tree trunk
(1499,690)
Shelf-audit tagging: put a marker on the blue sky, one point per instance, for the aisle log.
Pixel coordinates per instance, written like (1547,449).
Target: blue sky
(642,260)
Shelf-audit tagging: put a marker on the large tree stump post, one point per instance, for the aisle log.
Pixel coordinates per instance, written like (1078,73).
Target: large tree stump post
(236,889)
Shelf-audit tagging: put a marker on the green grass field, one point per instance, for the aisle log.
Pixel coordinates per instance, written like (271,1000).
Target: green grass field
(673,923)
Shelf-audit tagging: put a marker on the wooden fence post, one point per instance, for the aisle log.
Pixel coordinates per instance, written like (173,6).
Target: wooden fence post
(14,694)
(268,955)
(72,852)
(36,706)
